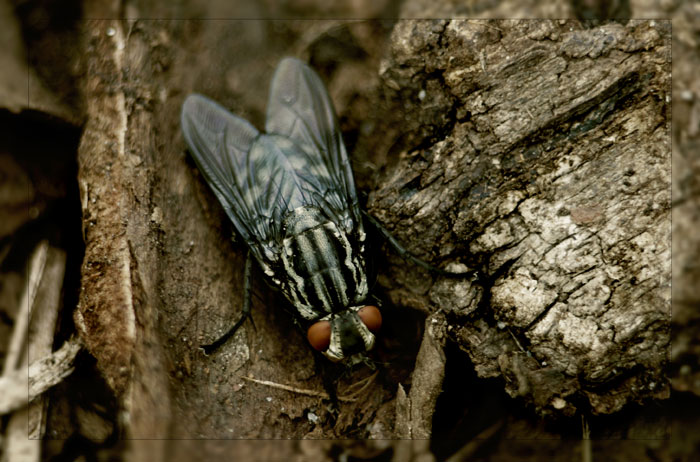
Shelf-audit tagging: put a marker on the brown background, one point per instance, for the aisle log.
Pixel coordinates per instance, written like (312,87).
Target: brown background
(452,126)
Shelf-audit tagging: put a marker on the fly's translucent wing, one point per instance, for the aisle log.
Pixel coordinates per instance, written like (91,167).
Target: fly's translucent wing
(220,142)
(299,108)
(260,178)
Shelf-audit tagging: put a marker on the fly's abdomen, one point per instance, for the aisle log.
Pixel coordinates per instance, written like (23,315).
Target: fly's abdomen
(326,271)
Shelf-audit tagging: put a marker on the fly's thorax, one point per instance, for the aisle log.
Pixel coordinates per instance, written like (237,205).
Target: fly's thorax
(325,268)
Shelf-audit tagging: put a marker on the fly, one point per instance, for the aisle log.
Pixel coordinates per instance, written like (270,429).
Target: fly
(291,196)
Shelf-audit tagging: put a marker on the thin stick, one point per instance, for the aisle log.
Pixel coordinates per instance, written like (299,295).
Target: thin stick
(19,388)
(301,391)
(18,443)
(586,449)
(19,334)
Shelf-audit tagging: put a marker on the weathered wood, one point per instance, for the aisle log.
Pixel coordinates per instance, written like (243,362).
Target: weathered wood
(20,387)
(414,411)
(118,309)
(535,151)
(160,274)
(30,368)
(444,87)
(546,164)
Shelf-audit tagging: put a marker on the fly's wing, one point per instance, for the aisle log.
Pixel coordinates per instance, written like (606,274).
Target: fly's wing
(300,109)
(220,142)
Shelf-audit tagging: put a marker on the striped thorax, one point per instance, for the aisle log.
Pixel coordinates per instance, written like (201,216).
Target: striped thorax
(326,279)
(326,272)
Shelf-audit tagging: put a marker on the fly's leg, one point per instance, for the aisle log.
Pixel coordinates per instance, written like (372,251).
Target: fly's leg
(210,348)
(406,255)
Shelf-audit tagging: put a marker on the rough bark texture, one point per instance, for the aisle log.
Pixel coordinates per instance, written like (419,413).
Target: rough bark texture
(118,308)
(544,162)
(534,151)
(537,152)
(161,276)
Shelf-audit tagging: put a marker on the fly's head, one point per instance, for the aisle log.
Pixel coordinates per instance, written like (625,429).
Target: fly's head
(347,333)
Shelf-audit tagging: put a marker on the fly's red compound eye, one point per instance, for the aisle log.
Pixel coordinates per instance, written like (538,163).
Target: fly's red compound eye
(371,317)
(319,335)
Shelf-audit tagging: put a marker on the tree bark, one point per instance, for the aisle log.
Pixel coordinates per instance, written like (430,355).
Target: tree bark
(544,162)
(161,275)
(536,152)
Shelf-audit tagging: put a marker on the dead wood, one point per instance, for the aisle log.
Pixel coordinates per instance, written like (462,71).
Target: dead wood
(534,151)
(539,154)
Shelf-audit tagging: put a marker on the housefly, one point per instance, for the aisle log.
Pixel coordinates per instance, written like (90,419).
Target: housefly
(291,196)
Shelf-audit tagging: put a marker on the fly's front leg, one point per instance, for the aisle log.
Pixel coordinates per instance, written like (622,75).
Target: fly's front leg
(406,255)
(210,348)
